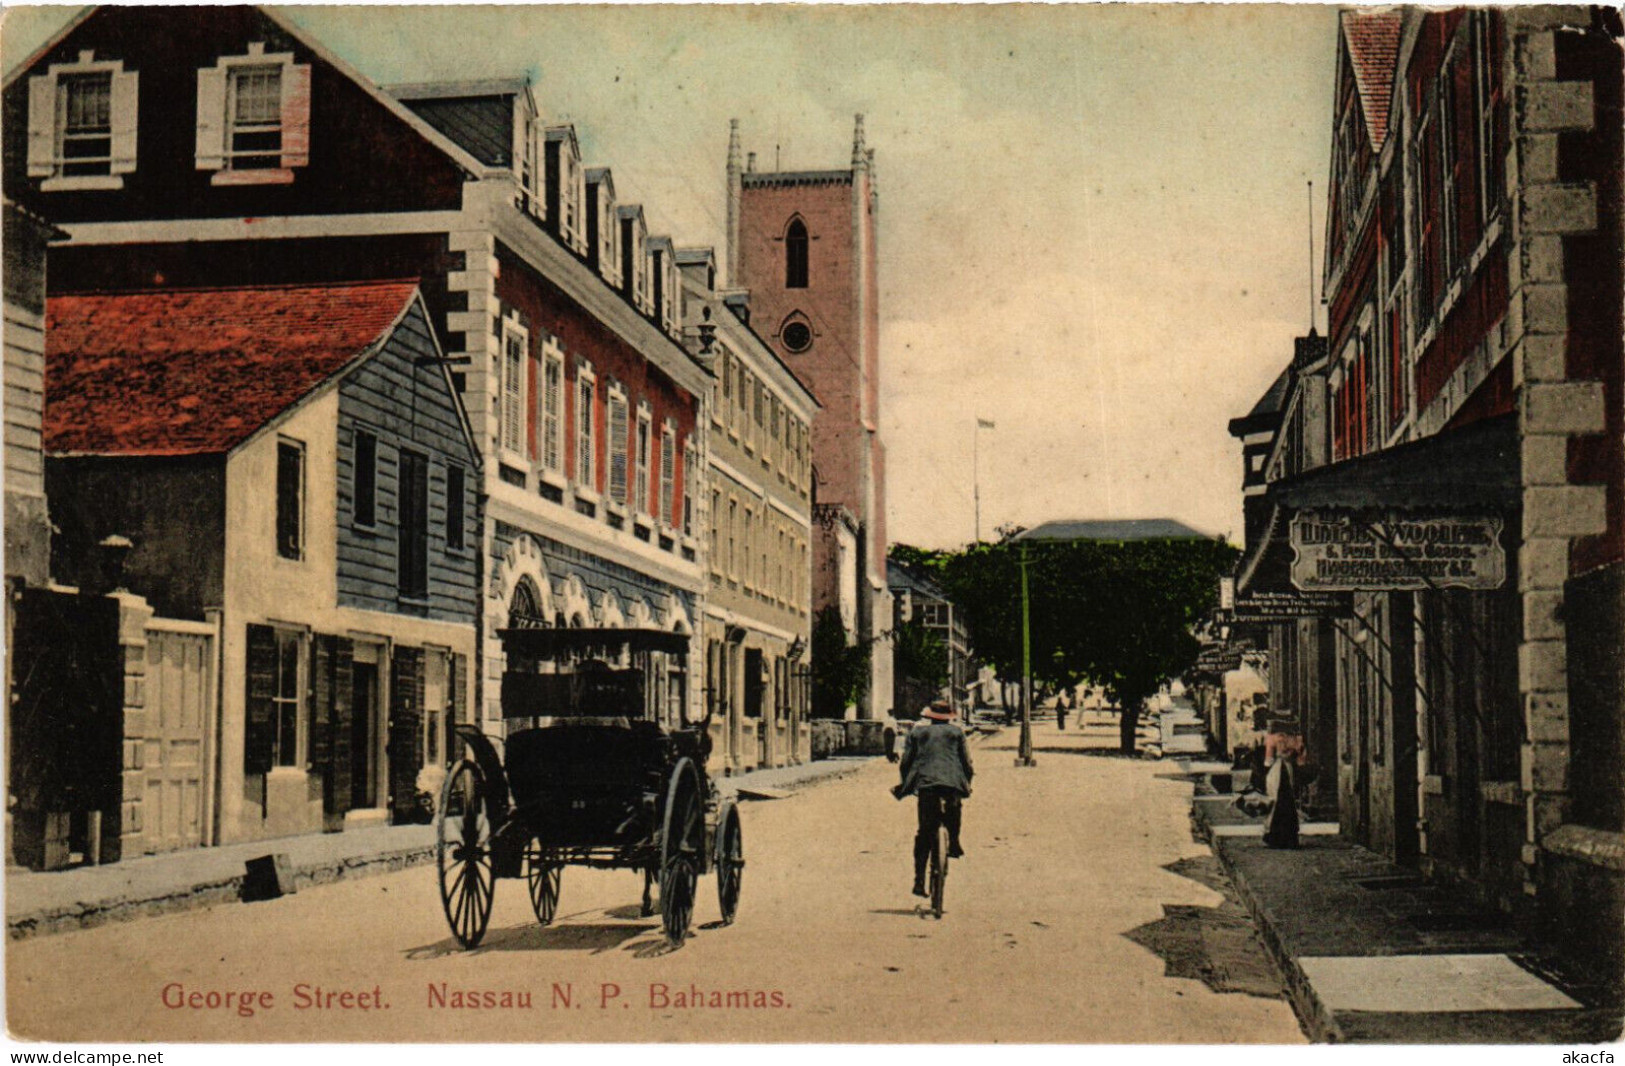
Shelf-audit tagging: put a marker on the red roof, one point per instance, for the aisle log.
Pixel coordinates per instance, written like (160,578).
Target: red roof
(1373,38)
(198,371)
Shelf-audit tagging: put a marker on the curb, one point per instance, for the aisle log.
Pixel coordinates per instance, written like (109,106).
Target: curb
(203,894)
(88,915)
(1319,1024)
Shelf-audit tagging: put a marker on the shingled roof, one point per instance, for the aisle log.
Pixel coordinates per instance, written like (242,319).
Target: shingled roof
(199,371)
(1373,44)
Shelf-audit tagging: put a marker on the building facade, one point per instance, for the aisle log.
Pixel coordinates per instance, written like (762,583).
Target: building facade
(326,528)
(758,612)
(1452,467)
(803,243)
(921,604)
(229,148)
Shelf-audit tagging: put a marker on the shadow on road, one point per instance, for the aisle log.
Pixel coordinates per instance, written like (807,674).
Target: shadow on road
(591,937)
(1096,753)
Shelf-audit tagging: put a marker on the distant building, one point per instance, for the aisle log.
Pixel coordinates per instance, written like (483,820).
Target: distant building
(758,609)
(919,601)
(803,243)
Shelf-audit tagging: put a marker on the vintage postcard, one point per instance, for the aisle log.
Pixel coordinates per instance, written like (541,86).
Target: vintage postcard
(1058,524)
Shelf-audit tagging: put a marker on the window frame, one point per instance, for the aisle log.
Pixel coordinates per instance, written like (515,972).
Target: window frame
(586,428)
(797,254)
(456,538)
(368,520)
(643,458)
(619,444)
(216,119)
(513,391)
(46,118)
(551,409)
(293,510)
(288,710)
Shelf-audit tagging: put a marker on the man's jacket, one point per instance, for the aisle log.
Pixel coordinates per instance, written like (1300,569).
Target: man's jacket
(935,754)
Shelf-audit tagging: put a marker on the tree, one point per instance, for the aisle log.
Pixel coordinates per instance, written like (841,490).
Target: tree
(1112,613)
(840,670)
(920,662)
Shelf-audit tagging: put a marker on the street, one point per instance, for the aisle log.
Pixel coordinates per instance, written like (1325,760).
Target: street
(1064,861)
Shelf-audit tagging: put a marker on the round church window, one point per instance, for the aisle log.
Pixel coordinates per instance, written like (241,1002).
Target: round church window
(797,336)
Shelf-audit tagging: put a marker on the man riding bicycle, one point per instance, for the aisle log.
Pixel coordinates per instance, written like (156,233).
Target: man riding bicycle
(936,768)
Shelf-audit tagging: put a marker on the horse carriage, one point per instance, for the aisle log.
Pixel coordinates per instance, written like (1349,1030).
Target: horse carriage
(600,768)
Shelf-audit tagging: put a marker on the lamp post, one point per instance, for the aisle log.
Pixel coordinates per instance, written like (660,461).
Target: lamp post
(1024,754)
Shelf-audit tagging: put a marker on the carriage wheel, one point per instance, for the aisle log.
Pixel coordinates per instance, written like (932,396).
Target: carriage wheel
(682,844)
(730,863)
(677,885)
(543,878)
(464,853)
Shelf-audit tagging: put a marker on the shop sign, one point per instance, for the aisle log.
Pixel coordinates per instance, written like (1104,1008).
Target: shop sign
(1285,605)
(1334,551)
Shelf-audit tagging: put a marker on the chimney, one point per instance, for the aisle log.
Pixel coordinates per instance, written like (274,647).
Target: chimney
(750,163)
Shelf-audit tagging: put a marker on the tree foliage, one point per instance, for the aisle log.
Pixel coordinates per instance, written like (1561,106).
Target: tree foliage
(1113,614)
(840,670)
(920,662)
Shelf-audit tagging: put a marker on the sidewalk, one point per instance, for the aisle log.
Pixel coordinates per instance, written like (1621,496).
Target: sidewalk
(39,903)
(1372,954)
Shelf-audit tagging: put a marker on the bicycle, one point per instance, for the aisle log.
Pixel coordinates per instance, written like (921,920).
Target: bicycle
(937,863)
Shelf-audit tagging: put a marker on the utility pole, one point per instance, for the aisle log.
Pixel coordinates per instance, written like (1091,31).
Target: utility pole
(1024,754)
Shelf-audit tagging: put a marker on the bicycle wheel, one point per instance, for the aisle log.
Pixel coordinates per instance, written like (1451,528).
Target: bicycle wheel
(939,869)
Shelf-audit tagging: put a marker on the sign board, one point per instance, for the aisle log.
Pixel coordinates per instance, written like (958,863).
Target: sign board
(1335,551)
(1284,605)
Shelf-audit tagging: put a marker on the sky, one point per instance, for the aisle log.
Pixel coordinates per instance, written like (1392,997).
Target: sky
(1094,219)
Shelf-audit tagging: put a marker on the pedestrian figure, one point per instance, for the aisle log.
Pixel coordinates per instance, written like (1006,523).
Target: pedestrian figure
(1281,824)
(1060,711)
(935,766)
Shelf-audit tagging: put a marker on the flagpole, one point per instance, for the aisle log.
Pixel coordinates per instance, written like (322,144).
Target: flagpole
(976,468)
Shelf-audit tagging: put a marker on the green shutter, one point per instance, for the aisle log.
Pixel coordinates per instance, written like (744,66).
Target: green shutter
(259,727)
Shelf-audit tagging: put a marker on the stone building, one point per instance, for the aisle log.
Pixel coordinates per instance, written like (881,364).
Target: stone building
(803,244)
(758,608)
(1447,482)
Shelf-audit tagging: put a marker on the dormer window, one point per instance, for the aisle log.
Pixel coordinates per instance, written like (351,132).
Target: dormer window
(795,255)
(82,124)
(253,117)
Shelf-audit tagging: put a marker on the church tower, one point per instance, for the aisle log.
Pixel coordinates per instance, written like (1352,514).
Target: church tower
(803,243)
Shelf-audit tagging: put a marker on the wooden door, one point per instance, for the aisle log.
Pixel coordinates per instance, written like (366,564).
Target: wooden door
(180,710)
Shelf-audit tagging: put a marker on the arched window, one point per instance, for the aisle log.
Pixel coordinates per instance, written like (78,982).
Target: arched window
(795,255)
(525,609)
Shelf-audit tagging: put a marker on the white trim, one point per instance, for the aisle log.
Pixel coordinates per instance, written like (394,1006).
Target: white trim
(723,468)
(722,614)
(515,506)
(82,183)
(277,227)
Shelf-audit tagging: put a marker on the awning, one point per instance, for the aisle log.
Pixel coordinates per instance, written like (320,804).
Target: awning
(593,641)
(1469,471)
(1474,468)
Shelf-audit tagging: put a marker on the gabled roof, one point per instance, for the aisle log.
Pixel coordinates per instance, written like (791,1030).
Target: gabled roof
(900,575)
(634,211)
(696,257)
(1373,48)
(453,150)
(1267,411)
(1113,529)
(457,90)
(199,371)
(601,176)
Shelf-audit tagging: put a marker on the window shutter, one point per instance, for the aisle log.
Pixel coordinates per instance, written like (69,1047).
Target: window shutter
(459,705)
(295,115)
(125,106)
(319,697)
(211,118)
(259,726)
(41,126)
(405,743)
(618,430)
